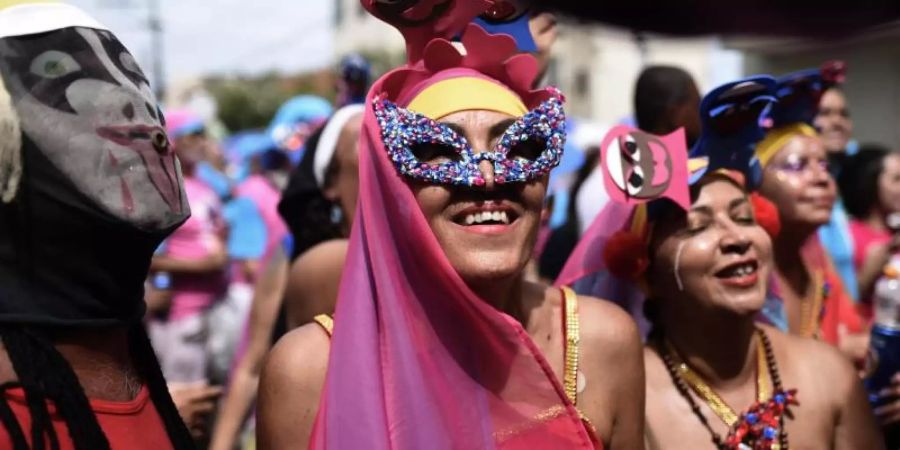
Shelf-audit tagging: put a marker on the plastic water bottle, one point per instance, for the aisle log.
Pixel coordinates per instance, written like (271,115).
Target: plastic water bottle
(884,350)
(883,361)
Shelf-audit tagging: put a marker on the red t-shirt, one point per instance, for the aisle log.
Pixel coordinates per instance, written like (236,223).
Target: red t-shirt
(837,307)
(133,425)
(864,237)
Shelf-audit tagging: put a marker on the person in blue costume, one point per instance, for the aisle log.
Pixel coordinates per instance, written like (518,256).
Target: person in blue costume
(295,121)
(354,77)
(533,28)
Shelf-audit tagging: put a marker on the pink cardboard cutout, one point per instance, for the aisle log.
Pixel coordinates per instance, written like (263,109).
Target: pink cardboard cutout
(639,167)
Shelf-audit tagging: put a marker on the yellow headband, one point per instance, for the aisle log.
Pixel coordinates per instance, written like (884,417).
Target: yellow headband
(464,94)
(9,3)
(777,138)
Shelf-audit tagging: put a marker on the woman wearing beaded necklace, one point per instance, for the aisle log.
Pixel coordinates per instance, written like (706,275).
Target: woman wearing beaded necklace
(708,348)
(807,295)
(715,379)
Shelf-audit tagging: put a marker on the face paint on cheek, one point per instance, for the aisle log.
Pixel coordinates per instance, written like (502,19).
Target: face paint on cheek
(127,198)
(677,267)
(787,179)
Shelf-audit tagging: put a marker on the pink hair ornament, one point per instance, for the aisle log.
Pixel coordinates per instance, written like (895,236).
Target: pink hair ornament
(639,167)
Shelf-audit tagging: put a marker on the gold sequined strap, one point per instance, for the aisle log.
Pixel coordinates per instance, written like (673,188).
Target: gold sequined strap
(572,331)
(811,309)
(326,322)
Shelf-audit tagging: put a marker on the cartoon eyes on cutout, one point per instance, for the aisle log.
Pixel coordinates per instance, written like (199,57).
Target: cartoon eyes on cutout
(639,167)
(638,164)
(630,148)
(632,156)
(54,64)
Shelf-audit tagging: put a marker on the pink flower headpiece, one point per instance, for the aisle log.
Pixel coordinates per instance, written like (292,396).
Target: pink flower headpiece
(493,56)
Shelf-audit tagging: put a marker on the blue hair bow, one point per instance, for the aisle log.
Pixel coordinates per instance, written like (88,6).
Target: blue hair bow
(731,118)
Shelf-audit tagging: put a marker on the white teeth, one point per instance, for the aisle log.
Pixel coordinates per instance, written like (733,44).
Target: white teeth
(744,270)
(487,216)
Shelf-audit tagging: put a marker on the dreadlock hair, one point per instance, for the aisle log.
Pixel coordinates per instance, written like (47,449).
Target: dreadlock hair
(45,376)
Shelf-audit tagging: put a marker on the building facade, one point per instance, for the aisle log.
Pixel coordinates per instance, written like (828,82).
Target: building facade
(596,66)
(872,88)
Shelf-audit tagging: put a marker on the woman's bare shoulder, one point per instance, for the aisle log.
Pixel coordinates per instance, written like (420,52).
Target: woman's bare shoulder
(300,355)
(324,257)
(816,351)
(314,281)
(815,364)
(608,329)
(290,386)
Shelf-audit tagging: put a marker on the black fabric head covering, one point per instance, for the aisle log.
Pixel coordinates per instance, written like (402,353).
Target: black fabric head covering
(303,207)
(89,187)
(100,186)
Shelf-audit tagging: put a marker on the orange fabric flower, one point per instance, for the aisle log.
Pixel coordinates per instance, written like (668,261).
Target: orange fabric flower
(626,255)
(766,214)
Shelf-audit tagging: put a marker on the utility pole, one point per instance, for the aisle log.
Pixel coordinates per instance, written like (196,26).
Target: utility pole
(154,26)
(154,23)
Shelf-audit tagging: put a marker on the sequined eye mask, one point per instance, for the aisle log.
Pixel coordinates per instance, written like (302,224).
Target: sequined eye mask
(426,150)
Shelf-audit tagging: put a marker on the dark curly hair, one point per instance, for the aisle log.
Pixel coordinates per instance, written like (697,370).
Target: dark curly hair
(659,88)
(304,207)
(858,181)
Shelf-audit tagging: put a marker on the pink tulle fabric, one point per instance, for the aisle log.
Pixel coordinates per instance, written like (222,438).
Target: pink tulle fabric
(586,272)
(419,361)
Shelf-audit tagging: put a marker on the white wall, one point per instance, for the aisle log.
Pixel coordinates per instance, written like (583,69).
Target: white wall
(358,31)
(612,60)
(873,81)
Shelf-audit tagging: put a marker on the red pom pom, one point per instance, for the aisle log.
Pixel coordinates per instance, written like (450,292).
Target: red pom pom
(766,214)
(626,255)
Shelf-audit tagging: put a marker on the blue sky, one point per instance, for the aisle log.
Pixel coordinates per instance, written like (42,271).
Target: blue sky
(225,37)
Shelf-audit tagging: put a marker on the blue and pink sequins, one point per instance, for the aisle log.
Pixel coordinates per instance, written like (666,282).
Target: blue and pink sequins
(404,132)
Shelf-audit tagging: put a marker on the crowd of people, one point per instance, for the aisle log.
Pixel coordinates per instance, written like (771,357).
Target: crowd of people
(403,269)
